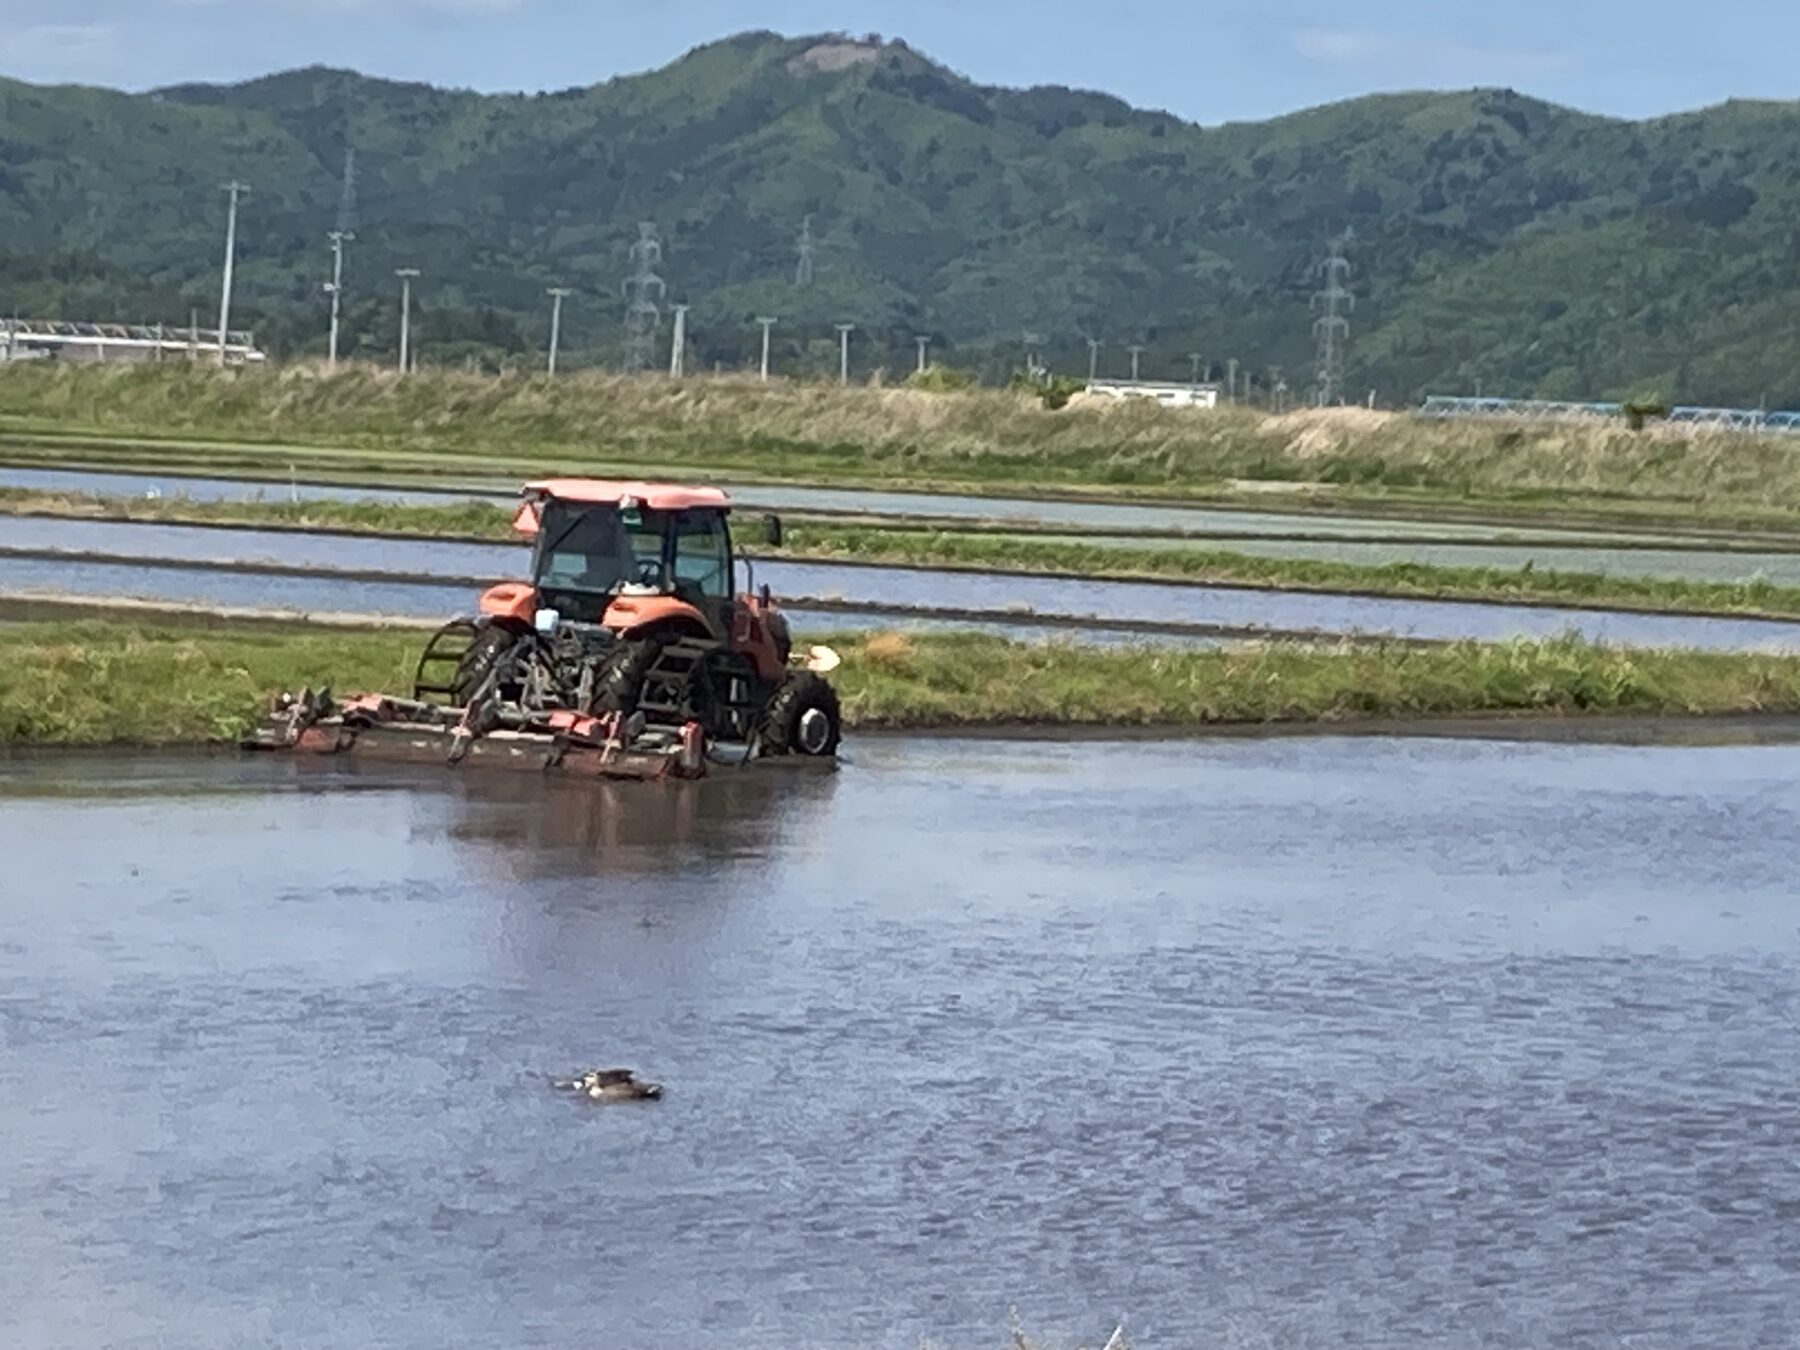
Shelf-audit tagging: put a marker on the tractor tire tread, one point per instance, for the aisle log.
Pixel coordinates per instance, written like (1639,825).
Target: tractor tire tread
(802,690)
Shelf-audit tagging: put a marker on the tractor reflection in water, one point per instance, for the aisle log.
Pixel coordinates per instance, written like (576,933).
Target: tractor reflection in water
(520,827)
(631,610)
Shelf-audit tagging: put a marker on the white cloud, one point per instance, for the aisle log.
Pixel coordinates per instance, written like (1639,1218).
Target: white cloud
(1426,60)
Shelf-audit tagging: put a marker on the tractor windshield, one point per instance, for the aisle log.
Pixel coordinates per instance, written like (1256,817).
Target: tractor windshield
(594,550)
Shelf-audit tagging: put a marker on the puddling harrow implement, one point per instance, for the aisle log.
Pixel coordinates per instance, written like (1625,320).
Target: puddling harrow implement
(627,655)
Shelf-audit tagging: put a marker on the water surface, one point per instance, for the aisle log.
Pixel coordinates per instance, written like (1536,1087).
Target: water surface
(1346,1043)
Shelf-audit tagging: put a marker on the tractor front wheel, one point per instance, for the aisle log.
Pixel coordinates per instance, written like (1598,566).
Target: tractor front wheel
(802,717)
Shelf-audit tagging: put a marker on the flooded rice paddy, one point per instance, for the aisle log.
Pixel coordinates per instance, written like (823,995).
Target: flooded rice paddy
(848,501)
(1342,1043)
(865,590)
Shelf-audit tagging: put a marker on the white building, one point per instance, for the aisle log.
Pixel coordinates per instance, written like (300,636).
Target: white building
(1169,395)
(27,340)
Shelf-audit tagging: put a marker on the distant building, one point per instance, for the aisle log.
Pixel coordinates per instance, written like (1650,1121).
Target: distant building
(36,340)
(1169,395)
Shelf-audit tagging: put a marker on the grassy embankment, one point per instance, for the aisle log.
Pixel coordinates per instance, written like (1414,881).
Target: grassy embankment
(97,684)
(1000,552)
(363,421)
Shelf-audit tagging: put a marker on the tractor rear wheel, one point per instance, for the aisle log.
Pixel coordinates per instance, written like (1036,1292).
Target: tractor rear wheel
(619,683)
(491,644)
(802,717)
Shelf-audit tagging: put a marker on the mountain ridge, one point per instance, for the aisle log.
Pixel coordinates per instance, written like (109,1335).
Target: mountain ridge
(976,214)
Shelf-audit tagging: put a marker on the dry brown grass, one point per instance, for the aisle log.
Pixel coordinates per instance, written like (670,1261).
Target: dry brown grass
(816,432)
(886,649)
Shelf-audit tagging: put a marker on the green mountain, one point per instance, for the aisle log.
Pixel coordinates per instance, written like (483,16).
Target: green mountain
(1497,240)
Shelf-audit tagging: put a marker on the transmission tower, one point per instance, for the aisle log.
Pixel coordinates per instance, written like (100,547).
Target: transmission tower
(346,217)
(809,248)
(643,290)
(1331,329)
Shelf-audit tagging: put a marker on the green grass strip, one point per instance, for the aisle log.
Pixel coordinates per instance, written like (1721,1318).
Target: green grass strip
(95,684)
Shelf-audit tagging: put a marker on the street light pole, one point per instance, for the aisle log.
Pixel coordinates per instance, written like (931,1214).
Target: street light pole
(1094,345)
(924,352)
(1137,353)
(767,324)
(336,289)
(237,190)
(406,275)
(557,295)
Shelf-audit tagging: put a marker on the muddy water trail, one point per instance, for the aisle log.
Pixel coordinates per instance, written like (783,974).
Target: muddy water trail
(1349,1043)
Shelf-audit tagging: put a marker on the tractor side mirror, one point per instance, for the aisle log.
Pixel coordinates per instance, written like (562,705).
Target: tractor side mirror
(772,532)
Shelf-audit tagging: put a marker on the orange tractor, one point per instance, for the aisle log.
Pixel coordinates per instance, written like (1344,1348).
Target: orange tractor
(631,612)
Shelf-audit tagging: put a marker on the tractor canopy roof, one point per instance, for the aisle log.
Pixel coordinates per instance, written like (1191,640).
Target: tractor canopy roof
(612,492)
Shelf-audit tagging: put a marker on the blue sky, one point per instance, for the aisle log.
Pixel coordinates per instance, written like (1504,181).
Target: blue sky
(1209,63)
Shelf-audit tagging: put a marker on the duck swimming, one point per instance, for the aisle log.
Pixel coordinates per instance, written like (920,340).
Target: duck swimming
(611,1085)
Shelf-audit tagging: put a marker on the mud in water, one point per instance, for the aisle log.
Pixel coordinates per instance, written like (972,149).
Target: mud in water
(1263,1043)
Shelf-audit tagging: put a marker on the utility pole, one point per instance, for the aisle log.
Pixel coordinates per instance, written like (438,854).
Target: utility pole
(924,352)
(1137,353)
(678,348)
(1231,368)
(1094,346)
(557,295)
(767,324)
(844,332)
(1195,358)
(336,289)
(237,190)
(406,275)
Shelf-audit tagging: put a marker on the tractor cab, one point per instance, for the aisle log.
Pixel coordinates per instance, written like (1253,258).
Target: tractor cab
(630,558)
(588,556)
